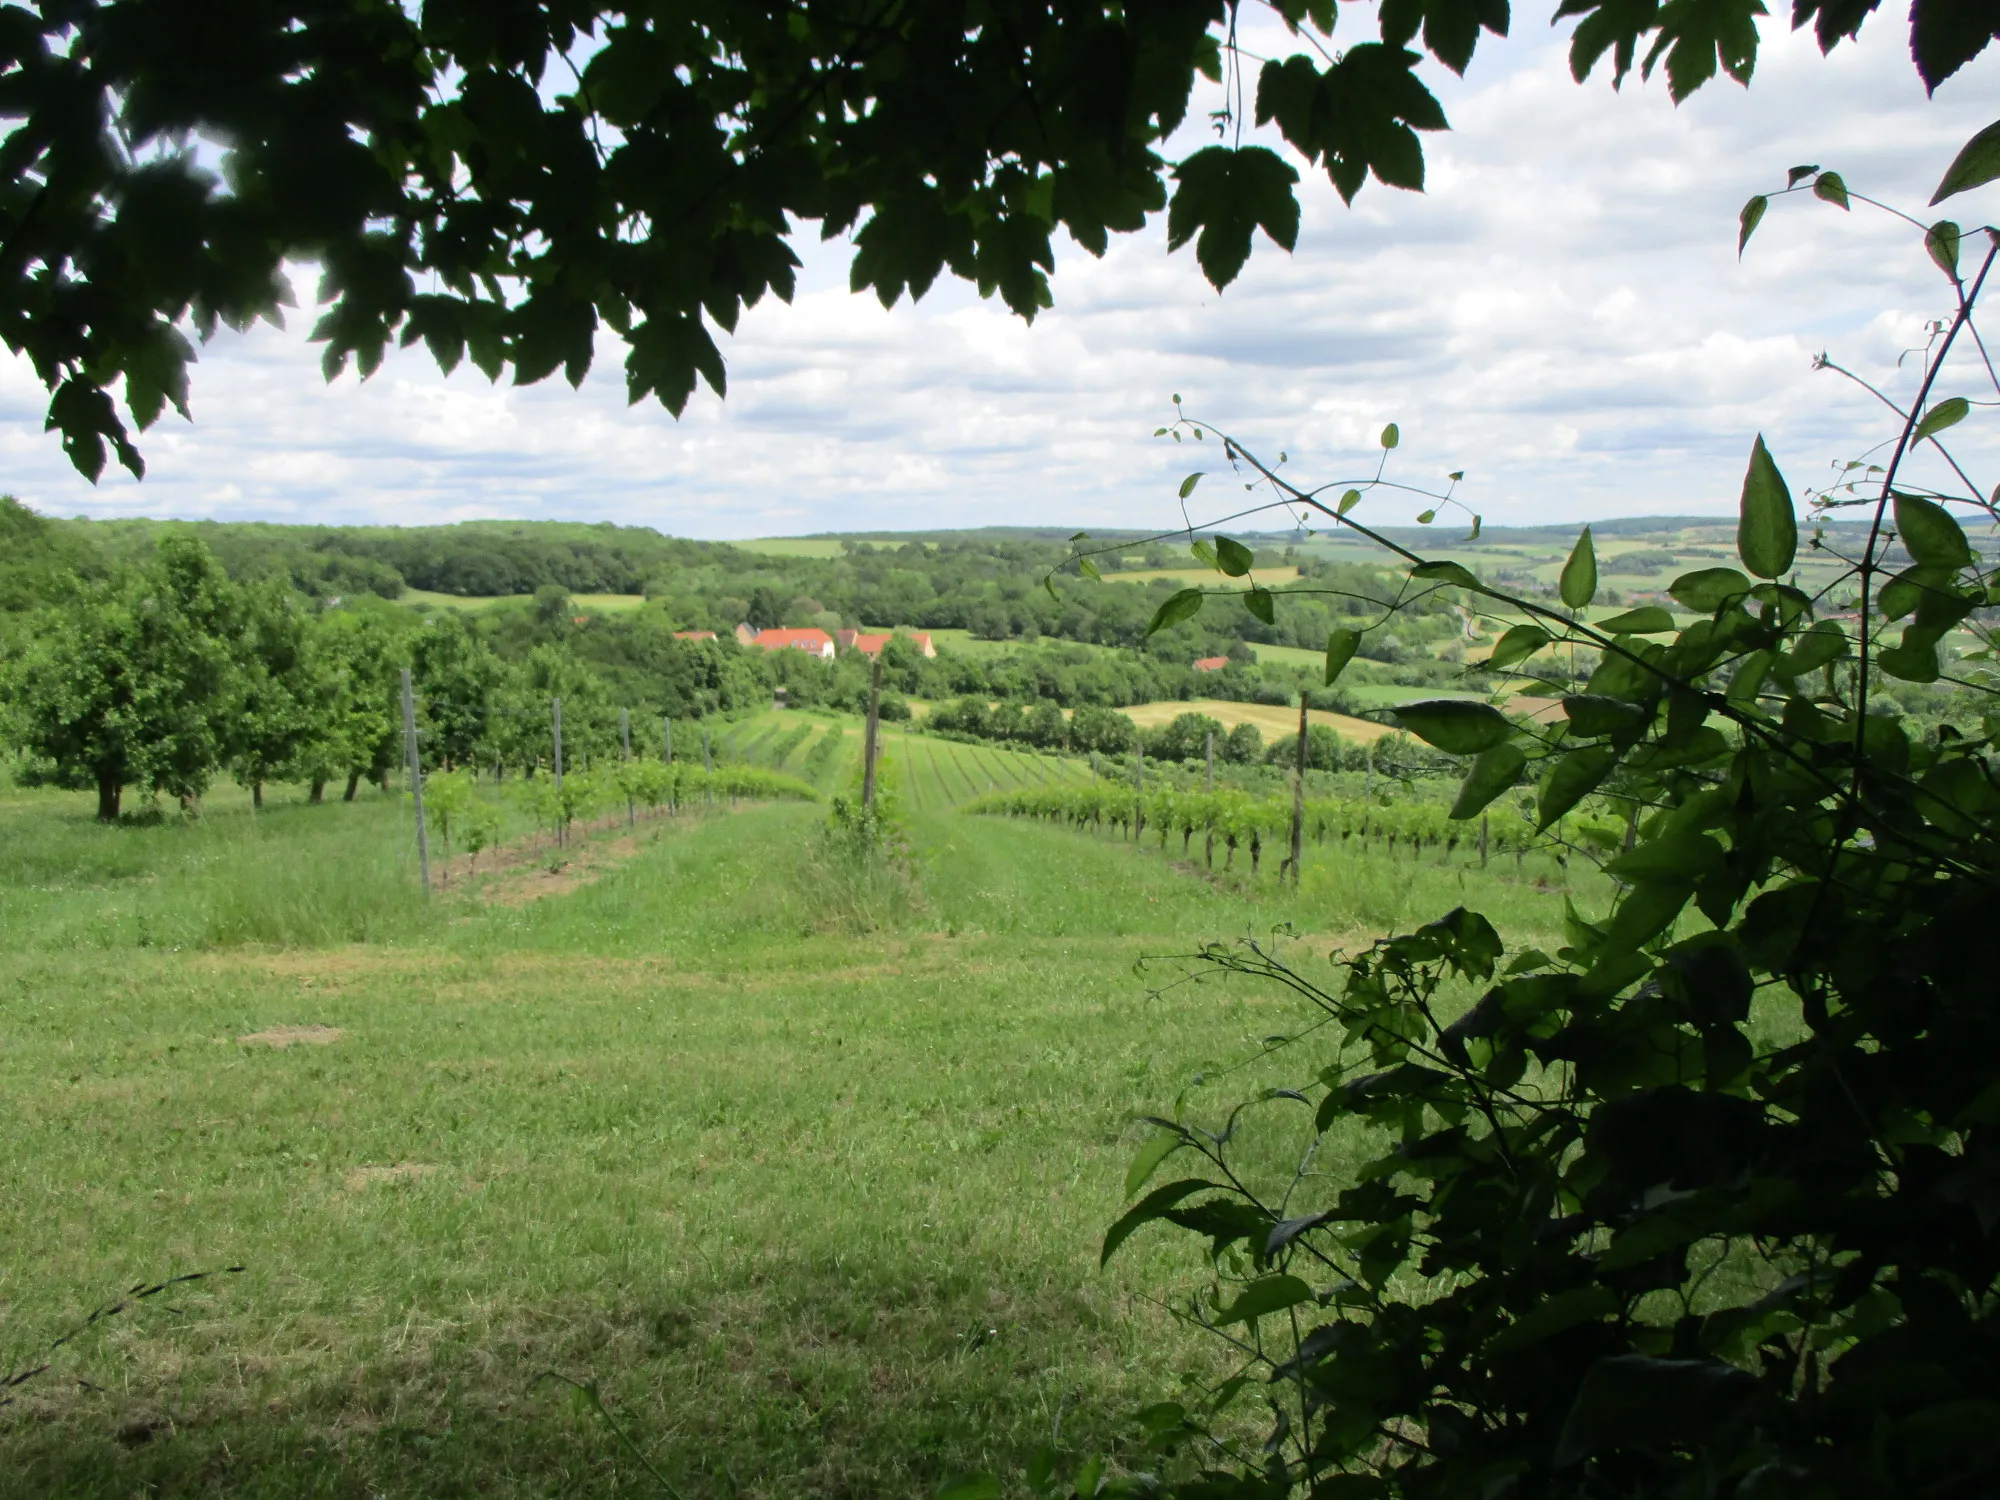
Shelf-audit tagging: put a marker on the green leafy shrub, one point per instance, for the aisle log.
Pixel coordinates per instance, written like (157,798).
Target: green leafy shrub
(1706,1202)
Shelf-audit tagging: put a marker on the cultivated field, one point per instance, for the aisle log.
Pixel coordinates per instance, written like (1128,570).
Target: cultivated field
(807,1172)
(1274,721)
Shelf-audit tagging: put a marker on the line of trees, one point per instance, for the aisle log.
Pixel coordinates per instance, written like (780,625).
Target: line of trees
(160,676)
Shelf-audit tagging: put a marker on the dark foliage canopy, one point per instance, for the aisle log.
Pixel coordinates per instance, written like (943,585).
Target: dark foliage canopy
(501,178)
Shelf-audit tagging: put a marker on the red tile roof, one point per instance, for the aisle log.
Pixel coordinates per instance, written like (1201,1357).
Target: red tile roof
(1211,664)
(811,639)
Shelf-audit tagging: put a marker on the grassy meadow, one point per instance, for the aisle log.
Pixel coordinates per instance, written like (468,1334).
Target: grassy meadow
(804,1166)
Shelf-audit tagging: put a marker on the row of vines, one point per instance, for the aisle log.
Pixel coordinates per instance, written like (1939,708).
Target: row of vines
(1240,821)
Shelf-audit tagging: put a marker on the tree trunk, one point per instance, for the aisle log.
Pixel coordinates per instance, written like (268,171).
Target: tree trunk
(108,792)
(353,785)
(257,795)
(318,791)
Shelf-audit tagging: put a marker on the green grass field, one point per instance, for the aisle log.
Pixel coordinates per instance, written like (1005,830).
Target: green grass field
(585,603)
(793,546)
(809,1173)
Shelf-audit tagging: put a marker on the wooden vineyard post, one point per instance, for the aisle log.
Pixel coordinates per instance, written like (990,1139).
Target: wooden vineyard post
(1482,841)
(707,764)
(416,779)
(1209,845)
(1139,793)
(555,718)
(625,745)
(1299,795)
(868,748)
(667,747)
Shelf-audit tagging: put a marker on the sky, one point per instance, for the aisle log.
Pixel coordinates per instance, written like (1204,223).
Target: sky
(1561,315)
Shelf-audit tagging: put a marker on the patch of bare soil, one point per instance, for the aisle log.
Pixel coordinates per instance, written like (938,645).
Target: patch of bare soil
(360,1179)
(293,1036)
(557,872)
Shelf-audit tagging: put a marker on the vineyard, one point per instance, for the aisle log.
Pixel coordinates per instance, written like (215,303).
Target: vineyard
(1238,821)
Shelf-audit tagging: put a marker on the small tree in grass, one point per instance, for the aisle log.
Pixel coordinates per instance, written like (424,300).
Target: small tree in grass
(129,683)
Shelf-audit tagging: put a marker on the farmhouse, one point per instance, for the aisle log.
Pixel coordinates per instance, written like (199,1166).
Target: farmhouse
(813,641)
(1211,664)
(871,645)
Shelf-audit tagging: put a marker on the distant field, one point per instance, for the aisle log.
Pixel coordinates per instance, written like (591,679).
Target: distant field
(967,644)
(1388,694)
(1272,720)
(585,603)
(792,546)
(1194,577)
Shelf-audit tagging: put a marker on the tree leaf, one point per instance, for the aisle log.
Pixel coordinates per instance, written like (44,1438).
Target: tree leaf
(1226,194)
(1648,619)
(1147,1162)
(1574,776)
(1258,601)
(1946,413)
(1564,1310)
(1391,435)
(1089,569)
(1640,1402)
(1709,589)
(1205,554)
(1184,605)
(1673,859)
(1749,219)
(1941,243)
(1829,186)
(1767,532)
(1341,644)
(1492,773)
(1268,1295)
(1578,583)
(1233,557)
(1909,663)
(1930,534)
(1518,644)
(1425,517)
(1457,726)
(1188,484)
(1347,502)
(1445,571)
(1977,163)
(1592,715)
(1153,1206)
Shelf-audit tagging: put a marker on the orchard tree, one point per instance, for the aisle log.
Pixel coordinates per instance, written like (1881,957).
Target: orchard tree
(363,738)
(284,694)
(499,179)
(455,674)
(130,683)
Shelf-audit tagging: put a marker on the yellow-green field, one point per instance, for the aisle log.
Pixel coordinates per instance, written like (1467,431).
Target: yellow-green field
(585,603)
(1201,577)
(793,546)
(1272,721)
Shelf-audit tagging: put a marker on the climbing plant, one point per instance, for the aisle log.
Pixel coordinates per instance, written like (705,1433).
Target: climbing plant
(1706,1201)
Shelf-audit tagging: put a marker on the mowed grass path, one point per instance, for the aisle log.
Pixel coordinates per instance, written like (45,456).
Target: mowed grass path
(818,1206)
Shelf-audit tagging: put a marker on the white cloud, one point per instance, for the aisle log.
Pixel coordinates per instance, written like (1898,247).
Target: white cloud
(1562,315)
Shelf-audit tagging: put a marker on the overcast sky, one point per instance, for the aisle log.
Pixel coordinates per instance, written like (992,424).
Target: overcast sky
(1562,315)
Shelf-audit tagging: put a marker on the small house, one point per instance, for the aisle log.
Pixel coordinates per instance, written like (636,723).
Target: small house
(813,641)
